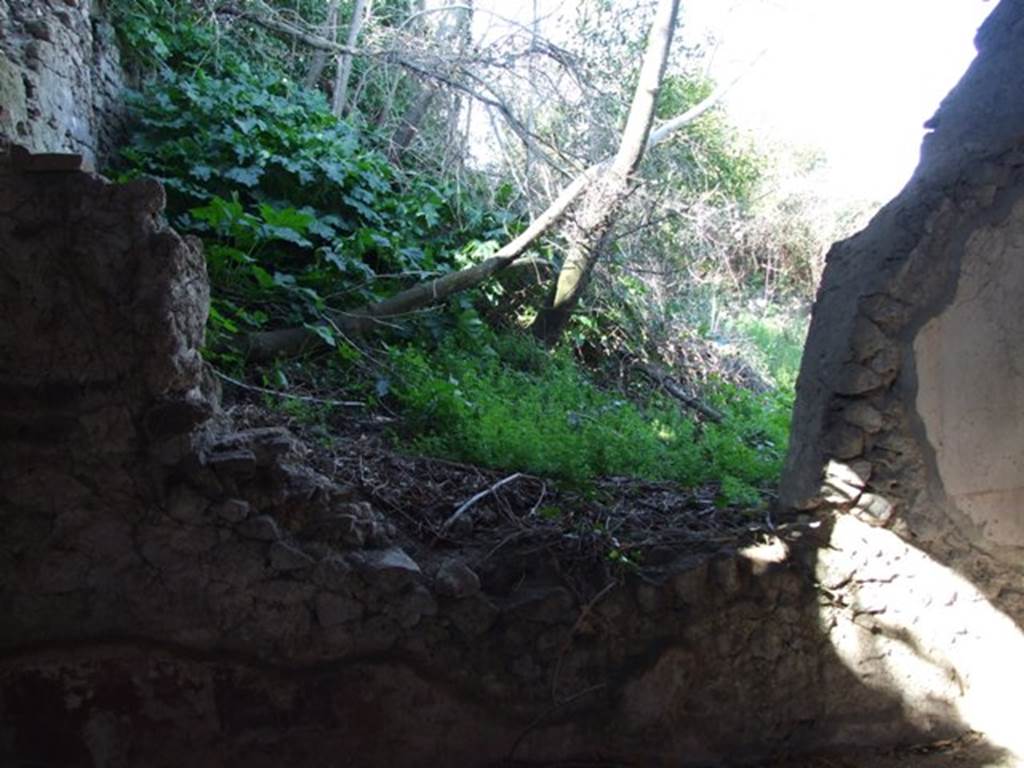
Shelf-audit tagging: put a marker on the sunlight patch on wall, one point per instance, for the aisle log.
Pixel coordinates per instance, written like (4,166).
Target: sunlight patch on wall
(911,627)
(971,384)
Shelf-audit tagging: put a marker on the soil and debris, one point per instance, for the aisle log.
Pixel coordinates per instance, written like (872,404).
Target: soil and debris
(967,751)
(589,535)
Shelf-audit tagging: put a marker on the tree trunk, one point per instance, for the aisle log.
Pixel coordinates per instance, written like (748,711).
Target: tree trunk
(319,63)
(593,220)
(637,137)
(344,71)
(411,120)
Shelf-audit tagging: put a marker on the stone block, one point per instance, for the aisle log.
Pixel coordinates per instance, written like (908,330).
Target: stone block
(286,557)
(856,379)
(261,528)
(332,609)
(863,415)
(456,579)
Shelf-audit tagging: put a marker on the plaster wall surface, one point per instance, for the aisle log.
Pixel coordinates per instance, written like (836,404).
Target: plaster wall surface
(970,395)
(911,376)
(908,430)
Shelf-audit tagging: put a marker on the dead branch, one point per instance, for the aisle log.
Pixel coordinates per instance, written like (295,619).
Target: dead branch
(288,395)
(670,385)
(637,137)
(339,98)
(328,31)
(474,499)
(670,126)
(273,23)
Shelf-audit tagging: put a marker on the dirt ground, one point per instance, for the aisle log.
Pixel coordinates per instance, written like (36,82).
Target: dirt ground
(969,751)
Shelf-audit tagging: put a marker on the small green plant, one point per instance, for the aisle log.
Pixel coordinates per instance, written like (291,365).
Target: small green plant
(510,404)
(774,339)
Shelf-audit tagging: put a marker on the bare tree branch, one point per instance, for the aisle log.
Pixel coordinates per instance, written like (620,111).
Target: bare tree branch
(606,184)
(274,23)
(666,129)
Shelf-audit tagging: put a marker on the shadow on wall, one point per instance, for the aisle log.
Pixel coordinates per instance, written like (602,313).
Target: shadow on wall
(178,591)
(909,626)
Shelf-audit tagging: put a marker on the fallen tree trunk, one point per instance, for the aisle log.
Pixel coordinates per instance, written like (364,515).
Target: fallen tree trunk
(605,183)
(267,344)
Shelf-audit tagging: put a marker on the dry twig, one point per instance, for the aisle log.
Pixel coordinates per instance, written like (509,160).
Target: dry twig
(483,494)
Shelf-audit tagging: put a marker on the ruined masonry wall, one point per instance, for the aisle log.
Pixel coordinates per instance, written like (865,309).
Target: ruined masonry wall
(61,79)
(910,401)
(177,591)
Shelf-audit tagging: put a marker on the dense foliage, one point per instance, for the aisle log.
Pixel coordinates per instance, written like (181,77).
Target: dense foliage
(299,213)
(305,216)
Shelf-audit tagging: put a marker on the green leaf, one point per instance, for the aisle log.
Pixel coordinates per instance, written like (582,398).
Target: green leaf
(249,123)
(291,218)
(219,320)
(218,211)
(549,512)
(248,177)
(429,214)
(263,277)
(363,210)
(325,332)
(322,229)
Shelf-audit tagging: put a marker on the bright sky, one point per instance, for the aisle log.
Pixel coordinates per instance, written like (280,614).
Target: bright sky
(857,78)
(854,77)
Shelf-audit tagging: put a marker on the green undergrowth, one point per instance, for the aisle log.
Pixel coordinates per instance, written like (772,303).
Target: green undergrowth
(773,341)
(301,215)
(509,404)
(305,217)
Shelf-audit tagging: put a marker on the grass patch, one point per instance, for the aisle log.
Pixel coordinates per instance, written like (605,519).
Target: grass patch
(507,403)
(773,339)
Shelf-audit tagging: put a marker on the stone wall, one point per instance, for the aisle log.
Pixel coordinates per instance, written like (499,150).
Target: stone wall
(61,80)
(177,589)
(910,399)
(181,591)
(908,431)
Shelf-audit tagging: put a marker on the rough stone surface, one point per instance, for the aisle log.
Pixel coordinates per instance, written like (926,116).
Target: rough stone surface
(912,361)
(173,594)
(176,590)
(61,80)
